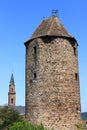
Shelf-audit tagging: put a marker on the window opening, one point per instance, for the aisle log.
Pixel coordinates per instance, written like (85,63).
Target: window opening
(12,89)
(76,76)
(12,100)
(75,51)
(77,108)
(35,49)
(35,75)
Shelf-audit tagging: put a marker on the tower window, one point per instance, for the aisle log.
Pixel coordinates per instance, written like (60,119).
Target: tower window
(35,49)
(76,76)
(11,100)
(12,89)
(35,75)
(75,51)
(77,108)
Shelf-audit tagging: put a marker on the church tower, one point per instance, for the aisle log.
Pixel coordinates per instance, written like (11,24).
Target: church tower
(11,93)
(52,77)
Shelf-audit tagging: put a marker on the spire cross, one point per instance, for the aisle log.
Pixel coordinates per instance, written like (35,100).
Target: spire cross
(54,12)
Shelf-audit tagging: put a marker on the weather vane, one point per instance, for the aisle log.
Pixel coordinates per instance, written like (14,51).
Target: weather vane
(54,12)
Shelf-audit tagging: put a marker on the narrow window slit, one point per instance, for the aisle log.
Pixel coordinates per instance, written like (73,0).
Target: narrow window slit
(75,51)
(35,49)
(76,76)
(35,75)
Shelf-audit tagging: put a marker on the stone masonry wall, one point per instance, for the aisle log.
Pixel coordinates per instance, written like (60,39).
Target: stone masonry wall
(52,83)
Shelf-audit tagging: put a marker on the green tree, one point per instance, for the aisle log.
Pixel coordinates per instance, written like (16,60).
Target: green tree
(8,116)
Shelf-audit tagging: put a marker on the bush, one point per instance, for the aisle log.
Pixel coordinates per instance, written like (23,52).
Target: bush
(24,125)
(79,126)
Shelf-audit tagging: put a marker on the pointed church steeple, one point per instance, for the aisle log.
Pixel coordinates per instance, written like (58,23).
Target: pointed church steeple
(12,79)
(12,93)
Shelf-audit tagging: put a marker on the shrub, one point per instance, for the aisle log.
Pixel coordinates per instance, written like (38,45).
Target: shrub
(24,125)
(79,126)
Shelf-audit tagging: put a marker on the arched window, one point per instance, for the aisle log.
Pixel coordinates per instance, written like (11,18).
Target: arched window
(11,100)
(12,89)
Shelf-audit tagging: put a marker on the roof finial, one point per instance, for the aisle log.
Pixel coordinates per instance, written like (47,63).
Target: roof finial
(54,12)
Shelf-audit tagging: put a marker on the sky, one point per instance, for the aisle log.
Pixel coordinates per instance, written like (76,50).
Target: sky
(18,20)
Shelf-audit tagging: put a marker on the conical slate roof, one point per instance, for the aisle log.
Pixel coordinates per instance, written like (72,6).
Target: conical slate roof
(50,27)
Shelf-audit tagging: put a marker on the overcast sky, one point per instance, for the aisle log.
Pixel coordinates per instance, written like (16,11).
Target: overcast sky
(18,20)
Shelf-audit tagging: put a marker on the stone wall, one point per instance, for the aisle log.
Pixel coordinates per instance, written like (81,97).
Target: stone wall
(52,83)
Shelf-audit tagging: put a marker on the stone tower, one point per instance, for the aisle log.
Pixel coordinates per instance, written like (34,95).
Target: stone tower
(52,77)
(11,93)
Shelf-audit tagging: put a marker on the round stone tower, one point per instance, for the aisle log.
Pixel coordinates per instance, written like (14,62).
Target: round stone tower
(52,77)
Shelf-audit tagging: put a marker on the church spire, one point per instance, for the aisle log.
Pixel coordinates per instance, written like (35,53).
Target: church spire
(12,79)
(12,93)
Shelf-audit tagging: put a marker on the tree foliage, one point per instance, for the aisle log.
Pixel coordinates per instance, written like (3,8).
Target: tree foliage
(8,116)
(24,125)
(79,126)
(11,120)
